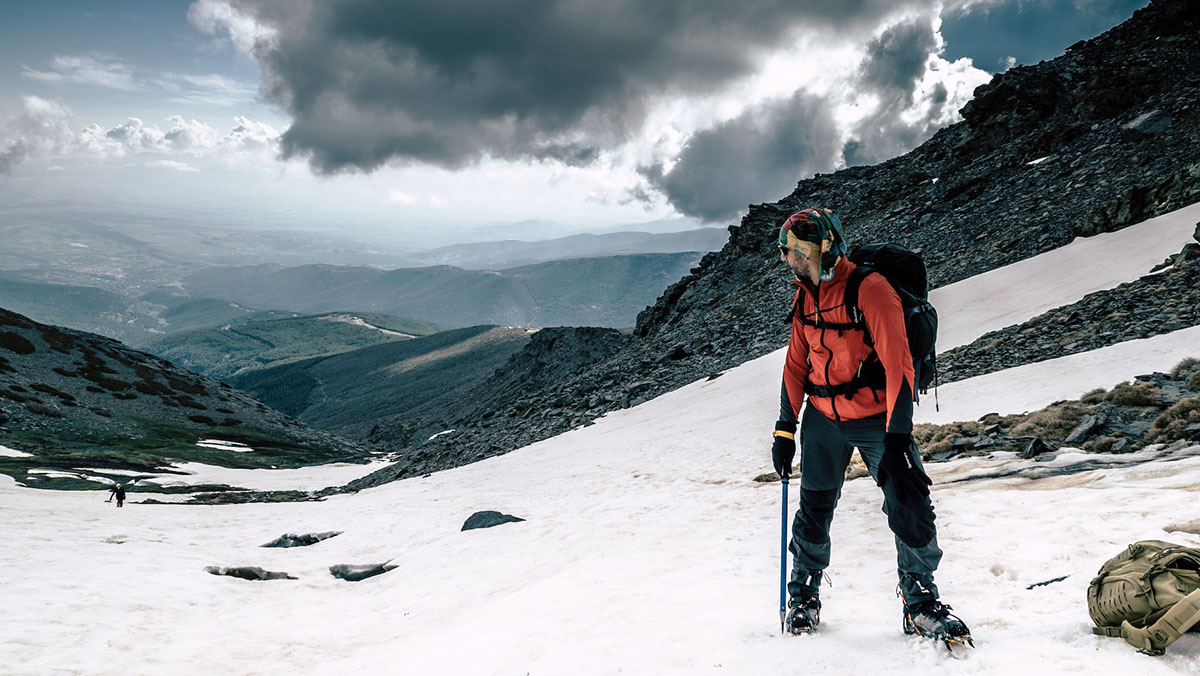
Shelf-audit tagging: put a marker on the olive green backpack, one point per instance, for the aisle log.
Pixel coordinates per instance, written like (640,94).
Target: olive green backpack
(1148,595)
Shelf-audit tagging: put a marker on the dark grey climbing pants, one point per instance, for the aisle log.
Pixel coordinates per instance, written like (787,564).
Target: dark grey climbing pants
(825,450)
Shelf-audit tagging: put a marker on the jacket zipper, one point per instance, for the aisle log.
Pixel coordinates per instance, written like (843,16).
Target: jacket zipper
(829,357)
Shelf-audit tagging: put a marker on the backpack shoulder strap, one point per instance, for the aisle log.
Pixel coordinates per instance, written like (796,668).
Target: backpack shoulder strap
(796,301)
(853,284)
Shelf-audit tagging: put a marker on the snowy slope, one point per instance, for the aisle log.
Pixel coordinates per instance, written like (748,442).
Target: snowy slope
(1018,292)
(647,549)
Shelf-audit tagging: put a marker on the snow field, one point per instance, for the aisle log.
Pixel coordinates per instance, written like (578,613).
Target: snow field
(648,549)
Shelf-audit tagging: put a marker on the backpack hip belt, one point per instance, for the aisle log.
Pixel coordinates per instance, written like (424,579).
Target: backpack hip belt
(870,375)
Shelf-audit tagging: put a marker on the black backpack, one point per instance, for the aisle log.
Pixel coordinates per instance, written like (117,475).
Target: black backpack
(905,271)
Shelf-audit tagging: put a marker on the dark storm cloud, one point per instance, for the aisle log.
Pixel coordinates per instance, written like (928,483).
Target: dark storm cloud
(757,156)
(1028,31)
(373,81)
(896,60)
(896,63)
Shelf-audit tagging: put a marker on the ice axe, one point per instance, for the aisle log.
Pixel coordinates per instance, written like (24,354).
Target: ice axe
(783,562)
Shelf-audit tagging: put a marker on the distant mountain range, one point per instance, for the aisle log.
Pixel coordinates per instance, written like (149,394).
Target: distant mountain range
(543,230)
(129,289)
(491,255)
(603,291)
(134,252)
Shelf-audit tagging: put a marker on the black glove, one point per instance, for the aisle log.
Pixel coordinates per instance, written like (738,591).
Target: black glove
(783,451)
(910,515)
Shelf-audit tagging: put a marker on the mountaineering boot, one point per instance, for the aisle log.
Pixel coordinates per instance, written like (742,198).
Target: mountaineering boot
(804,608)
(804,614)
(932,619)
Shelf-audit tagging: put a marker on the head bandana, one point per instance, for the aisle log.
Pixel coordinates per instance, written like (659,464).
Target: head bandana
(820,226)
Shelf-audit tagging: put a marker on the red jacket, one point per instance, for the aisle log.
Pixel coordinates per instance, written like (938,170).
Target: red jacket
(824,356)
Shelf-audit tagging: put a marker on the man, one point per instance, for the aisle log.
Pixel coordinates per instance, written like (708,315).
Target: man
(846,409)
(117,491)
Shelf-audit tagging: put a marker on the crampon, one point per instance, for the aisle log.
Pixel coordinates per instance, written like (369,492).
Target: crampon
(933,620)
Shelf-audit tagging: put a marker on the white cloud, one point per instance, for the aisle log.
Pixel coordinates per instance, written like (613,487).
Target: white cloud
(221,19)
(405,199)
(133,135)
(248,136)
(43,129)
(110,73)
(247,140)
(190,136)
(40,129)
(172,164)
(96,70)
(402,198)
(212,89)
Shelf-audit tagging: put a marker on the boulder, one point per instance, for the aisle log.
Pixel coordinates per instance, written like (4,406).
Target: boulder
(1137,429)
(961,444)
(248,573)
(354,573)
(1167,262)
(304,540)
(1193,430)
(1087,425)
(487,519)
(1148,124)
(1036,447)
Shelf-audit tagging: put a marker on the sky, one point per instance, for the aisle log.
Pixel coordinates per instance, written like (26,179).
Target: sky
(647,548)
(404,117)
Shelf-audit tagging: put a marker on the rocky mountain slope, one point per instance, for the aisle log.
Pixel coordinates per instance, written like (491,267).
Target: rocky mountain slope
(77,400)
(1102,137)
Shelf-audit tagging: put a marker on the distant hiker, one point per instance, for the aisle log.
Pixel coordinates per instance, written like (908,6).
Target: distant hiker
(117,491)
(825,359)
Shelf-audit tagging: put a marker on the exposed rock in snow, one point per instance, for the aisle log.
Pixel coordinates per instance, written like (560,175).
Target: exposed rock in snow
(249,573)
(354,573)
(488,519)
(304,540)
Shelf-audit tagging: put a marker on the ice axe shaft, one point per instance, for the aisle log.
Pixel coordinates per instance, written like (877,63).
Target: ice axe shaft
(783,561)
